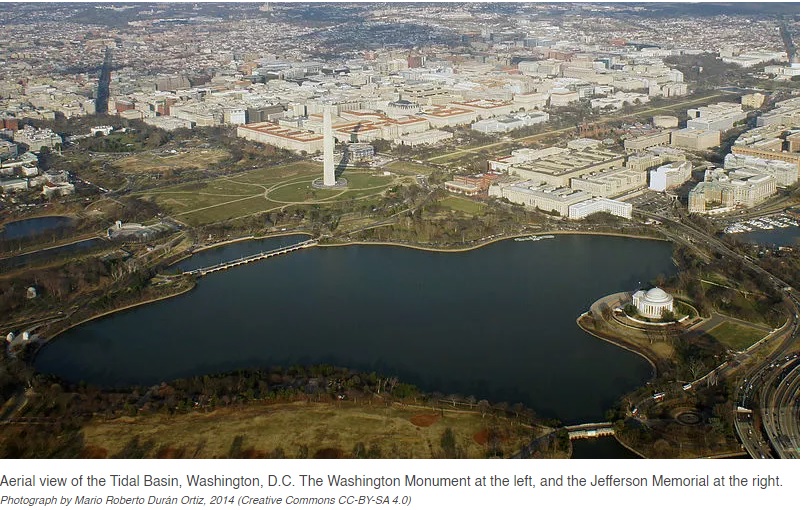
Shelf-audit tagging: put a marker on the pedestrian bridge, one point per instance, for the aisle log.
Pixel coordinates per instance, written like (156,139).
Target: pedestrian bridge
(203,271)
(590,430)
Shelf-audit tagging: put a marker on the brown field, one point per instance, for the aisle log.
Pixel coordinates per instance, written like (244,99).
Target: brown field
(148,162)
(424,420)
(296,429)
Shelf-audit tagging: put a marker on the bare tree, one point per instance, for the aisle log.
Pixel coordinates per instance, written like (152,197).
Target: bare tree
(483,407)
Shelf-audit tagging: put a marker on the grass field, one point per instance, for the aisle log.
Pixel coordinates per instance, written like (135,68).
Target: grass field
(460,157)
(260,190)
(321,429)
(229,210)
(409,168)
(462,204)
(301,191)
(279,173)
(736,336)
(185,158)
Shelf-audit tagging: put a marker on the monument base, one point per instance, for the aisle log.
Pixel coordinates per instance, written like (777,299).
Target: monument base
(340,184)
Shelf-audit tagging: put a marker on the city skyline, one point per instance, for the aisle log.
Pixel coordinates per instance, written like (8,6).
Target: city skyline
(437,212)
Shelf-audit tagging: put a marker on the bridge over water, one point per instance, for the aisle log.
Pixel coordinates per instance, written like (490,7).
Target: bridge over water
(589,430)
(222,266)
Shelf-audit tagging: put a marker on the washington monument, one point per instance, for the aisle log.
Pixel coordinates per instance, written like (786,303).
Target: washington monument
(329,178)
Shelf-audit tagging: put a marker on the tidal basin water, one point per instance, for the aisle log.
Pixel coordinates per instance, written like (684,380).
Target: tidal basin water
(497,323)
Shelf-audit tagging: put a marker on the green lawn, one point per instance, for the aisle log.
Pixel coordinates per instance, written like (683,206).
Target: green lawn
(259,190)
(215,187)
(301,191)
(179,202)
(365,179)
(274,174)
(409,168)
(462,204)
(740,307)
(736,336)
(245,207)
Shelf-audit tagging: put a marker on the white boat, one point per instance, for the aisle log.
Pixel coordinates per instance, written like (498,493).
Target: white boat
(534,238)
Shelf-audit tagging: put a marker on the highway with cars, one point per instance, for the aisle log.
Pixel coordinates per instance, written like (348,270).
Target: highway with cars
(767,411)
(779,407)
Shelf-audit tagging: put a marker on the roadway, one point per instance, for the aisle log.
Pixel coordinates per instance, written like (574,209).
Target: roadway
(695,238)
(778,399)
(760,382)
(771,394)
(601,120)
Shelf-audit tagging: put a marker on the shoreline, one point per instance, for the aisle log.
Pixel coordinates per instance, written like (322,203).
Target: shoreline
(251,238)
(654,371)
(482,244)
(80,239)
(237,240)
(73,216)
(629,448)
(52,337)
(620,344)
(370,243)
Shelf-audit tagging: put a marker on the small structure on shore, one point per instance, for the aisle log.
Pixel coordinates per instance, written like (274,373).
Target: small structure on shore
(653,304)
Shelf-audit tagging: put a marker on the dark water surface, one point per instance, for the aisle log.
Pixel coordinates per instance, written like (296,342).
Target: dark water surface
(496,323)
(33,226)
(788,236)
(49,253)
(605,447)
(228,252)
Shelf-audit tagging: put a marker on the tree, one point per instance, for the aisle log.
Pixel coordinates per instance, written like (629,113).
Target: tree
(359,450)
(606,312)
(483,407)
(448,444)
(696,367)
(45,158)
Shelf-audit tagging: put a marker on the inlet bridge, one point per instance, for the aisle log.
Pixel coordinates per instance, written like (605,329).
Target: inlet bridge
(590,430)
(222,266)
(583,431)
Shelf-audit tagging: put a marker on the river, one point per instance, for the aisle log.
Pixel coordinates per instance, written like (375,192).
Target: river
(497,323)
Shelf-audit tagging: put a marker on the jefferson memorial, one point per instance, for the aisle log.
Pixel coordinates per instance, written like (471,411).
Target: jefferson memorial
(652,304)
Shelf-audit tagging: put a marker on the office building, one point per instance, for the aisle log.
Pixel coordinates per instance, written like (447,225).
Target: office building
(670,176)
(697,139)
(599,204)
(555,166)
(553,199)
(610,183)
(724,190)
(281,137)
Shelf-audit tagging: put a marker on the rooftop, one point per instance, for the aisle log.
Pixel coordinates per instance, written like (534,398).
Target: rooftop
(269,128)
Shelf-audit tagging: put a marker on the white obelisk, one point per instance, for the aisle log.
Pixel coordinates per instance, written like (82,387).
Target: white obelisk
(329,178)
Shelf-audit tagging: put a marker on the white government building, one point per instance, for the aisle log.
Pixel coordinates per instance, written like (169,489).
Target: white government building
(670,176)
(599,204)
(653,303)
